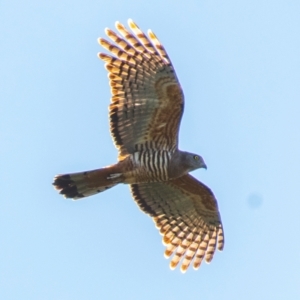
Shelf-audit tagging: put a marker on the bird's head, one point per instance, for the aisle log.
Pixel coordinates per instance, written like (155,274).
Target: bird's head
(184,162)
(193,161)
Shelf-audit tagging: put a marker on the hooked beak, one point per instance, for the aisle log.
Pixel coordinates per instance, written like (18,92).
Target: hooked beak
(204,166)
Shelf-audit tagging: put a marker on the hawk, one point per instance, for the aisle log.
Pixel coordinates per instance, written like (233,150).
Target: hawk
(145,113)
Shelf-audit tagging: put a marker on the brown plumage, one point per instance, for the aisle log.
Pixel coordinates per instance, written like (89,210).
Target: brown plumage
(145,113)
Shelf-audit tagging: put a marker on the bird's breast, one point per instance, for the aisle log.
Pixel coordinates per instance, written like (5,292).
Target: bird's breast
(149,166)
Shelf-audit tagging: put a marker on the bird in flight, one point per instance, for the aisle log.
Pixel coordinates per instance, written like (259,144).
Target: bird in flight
(145,112)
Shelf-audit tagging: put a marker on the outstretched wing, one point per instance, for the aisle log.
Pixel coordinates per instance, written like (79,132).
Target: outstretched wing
(147,100)
(186,213)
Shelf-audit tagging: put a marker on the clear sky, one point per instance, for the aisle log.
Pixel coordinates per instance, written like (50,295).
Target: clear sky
(238,63)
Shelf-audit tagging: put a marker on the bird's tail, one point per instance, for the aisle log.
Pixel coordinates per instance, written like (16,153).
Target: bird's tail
(84,184)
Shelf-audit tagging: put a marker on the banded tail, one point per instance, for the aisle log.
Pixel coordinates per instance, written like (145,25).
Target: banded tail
(84,184)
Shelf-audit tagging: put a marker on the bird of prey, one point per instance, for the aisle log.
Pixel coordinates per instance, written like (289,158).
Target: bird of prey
(145,112)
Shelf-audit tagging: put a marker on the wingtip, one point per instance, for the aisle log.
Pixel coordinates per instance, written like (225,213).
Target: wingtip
(107,30)
(173,265)
(183,269)
(167,254)
(132,24)
(101,41)
(119,26)
(208,260)
(102,56)
(151,35)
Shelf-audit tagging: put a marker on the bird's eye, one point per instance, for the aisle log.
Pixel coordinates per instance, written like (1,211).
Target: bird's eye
(196,157)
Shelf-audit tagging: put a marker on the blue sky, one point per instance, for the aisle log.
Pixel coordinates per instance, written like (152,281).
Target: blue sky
(238,63)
